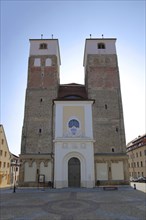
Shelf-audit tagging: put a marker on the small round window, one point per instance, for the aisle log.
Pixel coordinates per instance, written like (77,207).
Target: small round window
(73,126)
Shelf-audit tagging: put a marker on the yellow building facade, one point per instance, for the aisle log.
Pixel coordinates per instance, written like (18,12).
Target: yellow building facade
(4,160)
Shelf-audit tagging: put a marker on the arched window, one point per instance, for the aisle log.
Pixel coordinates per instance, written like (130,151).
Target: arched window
(48,62)
(37,62)
(101,46)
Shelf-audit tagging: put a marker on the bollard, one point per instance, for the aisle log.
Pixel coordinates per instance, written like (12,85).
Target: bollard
(134,186)
(14,188)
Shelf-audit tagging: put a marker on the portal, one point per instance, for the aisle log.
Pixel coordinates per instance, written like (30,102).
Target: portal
(74,172)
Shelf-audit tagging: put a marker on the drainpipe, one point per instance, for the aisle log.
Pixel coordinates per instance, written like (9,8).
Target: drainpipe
(52,153)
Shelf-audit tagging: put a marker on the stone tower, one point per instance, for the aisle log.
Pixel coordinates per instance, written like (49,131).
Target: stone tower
(42,88)
(103,85)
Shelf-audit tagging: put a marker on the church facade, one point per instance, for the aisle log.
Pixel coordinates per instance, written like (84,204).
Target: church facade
(73,134)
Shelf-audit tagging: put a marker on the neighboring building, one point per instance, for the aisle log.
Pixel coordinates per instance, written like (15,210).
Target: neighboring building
(4,160)
(73,134)
(9,163)
(136,151)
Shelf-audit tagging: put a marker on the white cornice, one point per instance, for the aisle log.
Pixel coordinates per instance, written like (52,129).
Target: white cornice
(73,140)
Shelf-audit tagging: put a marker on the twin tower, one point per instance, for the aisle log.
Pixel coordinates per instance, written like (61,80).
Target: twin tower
(73,134)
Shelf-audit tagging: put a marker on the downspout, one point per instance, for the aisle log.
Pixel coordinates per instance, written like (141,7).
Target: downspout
(52,152)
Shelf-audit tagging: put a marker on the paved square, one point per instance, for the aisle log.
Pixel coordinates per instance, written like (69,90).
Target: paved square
(73,204)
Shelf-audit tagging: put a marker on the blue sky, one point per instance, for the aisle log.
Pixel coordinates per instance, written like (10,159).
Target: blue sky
(71,22)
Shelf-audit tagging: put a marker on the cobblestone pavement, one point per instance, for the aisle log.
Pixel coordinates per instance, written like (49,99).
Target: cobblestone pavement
(72,204)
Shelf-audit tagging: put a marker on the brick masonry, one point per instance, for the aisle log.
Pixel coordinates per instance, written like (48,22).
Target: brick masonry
(103,85)
(42,88)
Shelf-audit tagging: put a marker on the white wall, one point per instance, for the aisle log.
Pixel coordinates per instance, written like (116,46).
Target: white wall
(80,150)
(80,146)
(30,172)
(59,116)
(139,186)
(101,171)
(46,170)
(117,171)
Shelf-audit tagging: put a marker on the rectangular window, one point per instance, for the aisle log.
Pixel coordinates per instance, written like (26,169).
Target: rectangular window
(1,152)
(141,164)
(5,153)
(4,164)
(140,154)
(137,164)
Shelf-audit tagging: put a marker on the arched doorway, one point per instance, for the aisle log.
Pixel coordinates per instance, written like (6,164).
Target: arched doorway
(74,172)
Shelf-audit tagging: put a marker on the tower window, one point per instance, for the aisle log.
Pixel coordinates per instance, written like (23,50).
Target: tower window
(101,46)
(48,62)
(113,150)
(41,100)
(40,131)
(117,129)
(43,46)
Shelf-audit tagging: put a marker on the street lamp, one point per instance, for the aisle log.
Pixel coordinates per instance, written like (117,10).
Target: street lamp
(14,164)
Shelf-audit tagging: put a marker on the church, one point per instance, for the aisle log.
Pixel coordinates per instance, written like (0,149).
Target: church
(73,134)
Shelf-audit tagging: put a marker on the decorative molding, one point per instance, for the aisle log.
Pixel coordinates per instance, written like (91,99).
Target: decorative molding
(76,139)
